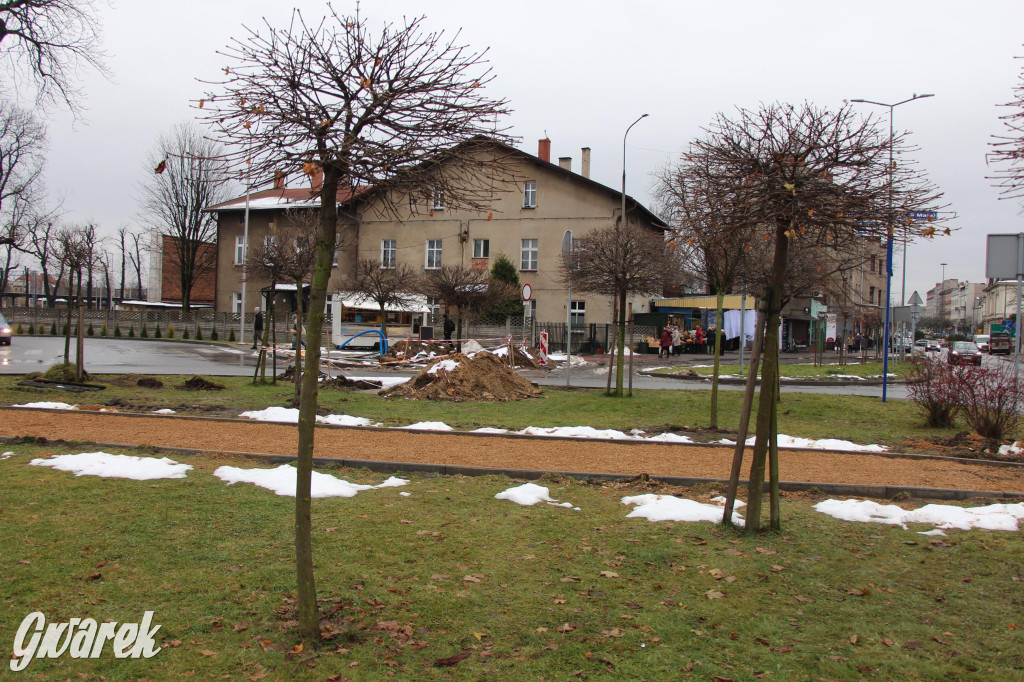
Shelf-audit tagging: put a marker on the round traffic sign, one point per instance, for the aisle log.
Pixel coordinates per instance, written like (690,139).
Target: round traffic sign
(527,292)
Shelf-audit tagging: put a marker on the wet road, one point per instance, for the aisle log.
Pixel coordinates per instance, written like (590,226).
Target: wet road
(152,356)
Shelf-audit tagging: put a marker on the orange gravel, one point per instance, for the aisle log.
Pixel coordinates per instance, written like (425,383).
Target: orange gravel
(545,454)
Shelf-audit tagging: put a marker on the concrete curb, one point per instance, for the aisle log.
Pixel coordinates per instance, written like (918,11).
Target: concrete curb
(389,467)
(785,381)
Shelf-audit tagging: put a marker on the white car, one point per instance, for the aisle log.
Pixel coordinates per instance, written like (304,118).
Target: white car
(6,332)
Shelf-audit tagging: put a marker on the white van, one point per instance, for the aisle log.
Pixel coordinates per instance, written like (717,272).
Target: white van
(981,341)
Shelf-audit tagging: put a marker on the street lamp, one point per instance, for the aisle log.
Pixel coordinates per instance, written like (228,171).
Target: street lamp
(622,221)
(888,244)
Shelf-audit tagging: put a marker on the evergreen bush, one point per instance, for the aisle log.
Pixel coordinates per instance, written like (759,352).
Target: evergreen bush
(31,329)
(53,329)
(156,334)
(170,331)
(117,330)
(131,331)
(103,329)
(18,330)
(199,333)
(89,331)
(144,334)
(213,334)
(231,335)
(184,333)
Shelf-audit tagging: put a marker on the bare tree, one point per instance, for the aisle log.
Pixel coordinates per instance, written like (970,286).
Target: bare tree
(46,42)
(806,176)
(22,152)
(620,262)
(188,178)
(365,109)
(385,286)
(78,247)
(135,258)
(466,292)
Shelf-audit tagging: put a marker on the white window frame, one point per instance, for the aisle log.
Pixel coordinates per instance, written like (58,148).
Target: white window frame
(529,250)
(481,248)
(239,249)
(530,194)
(413,203)
(433,254)
(437,199)
(236,302)
(577,314)
(388,247)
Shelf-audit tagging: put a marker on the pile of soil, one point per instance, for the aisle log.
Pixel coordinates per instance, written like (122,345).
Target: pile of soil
(528,357)
(132,380)
(409,348)
(198,383)
(482,377)
(343,383)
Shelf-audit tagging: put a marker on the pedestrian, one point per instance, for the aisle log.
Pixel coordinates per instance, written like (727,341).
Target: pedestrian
(666,343)
(257,327)
(677,341)
(448,326)
(297,331)
(698,335)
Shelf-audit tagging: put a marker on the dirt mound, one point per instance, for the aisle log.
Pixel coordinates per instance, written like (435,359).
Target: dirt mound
(458,378)
(149,382)
(198,383)
(410,348)
(342,383)
(133,380)
(529,358)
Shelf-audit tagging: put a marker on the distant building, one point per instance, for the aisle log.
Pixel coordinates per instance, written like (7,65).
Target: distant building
(165,272)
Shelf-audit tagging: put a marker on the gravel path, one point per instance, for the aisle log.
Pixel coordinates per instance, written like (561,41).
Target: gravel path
(545,454)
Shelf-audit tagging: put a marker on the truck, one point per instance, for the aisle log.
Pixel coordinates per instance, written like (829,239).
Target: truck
(999,342)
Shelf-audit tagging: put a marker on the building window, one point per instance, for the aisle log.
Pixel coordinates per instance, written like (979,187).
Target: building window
(530,194)
(481,248)
(413,201)
(528,255)
(438,199)
(433,259)
(871,296)
(577,311)
(236,302)
(239,250)
(434,305)
(388,253)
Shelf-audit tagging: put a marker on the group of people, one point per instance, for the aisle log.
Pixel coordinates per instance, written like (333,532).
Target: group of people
(296,329)
(674,339)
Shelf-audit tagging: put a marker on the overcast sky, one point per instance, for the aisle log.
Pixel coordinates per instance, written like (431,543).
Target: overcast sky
(581,72)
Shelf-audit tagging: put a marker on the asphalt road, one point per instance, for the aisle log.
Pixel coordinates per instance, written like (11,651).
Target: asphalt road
(152,356)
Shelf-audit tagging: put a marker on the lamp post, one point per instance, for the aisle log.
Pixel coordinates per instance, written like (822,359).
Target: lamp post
(622,222)
(888,244)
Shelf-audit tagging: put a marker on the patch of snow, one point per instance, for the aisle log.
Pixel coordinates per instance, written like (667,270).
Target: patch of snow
(107,465)
(393,482)
(404,494)
(944,516)
(6,455)
(471,346)
(489,429)
(446,365)
(385,382)
(48,406)
(574,432)
(845,376)
(345,420)
(720,501)
(668,508)
(529,494)
(165,410)
(811,444)
(281,481)
(1011,450)
(670,438)
(284,415)
(937,531)
(428,426)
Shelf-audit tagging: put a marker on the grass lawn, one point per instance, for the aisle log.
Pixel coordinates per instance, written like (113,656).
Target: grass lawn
(526,592)
(854,418)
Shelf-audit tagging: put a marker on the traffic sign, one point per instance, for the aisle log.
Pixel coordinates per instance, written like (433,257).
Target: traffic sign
(527,292)
(923,215)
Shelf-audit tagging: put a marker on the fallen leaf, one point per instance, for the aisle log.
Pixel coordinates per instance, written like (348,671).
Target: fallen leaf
(716,573)
(804,599)
(858,592)
(713,594)
(239,627)
(776,568)
(541,629)
(438,576)
(452,660)
(565,627)
(207,652)
(854,639)
(470,579)
(912,645)
(888,642)
(298,648)
(95,576)
(609,574)
(479,636)
(613,632)
(570,579)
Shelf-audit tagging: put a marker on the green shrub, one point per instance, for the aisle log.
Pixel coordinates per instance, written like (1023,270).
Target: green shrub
(199,333)
(63,372)
(53,329)
(131,331)
(103,329)
(145,333)
(31,329)
(156,334)
(184,334)
(18,330)
(213,334)
(89,331)
(117,330)
(231,335)
(170,331)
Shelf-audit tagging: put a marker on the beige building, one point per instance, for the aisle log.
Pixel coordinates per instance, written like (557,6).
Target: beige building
(525,221)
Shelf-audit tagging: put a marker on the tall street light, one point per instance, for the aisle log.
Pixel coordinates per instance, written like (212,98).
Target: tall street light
(888,244)
(622,221)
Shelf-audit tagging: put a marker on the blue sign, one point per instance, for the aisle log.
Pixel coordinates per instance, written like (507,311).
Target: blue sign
(923,215)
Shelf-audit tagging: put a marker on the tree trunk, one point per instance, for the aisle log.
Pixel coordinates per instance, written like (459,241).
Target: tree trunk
(741,436)
(630,344)
(620,343)
(769,378)
(80,343)
(719,318)
(611,358)
(67,325)
(326,238)
(298,346)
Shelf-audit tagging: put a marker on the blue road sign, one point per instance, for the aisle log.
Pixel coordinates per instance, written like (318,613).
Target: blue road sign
(923,215)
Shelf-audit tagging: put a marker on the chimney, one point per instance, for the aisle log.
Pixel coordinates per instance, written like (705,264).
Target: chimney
(279,179)
(544,150)
(565,162)
(585,162)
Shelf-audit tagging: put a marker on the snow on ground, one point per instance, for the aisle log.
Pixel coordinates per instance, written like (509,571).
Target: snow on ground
(6,455)
(1011,450)
(446,365)
(290,415)
(574,432)
(559,356)
(385,382)
(811,444)
(281,480)
(529,494)
(489,429)
(670,438)
(669,508)
(345,420)
(115,466)
(48,406)
(944,516)
(720,501)
(428,426)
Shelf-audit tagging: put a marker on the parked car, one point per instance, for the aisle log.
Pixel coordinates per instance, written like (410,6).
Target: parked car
(965,353)
(982,342)
(6,332)
(933,346)
(921,344)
